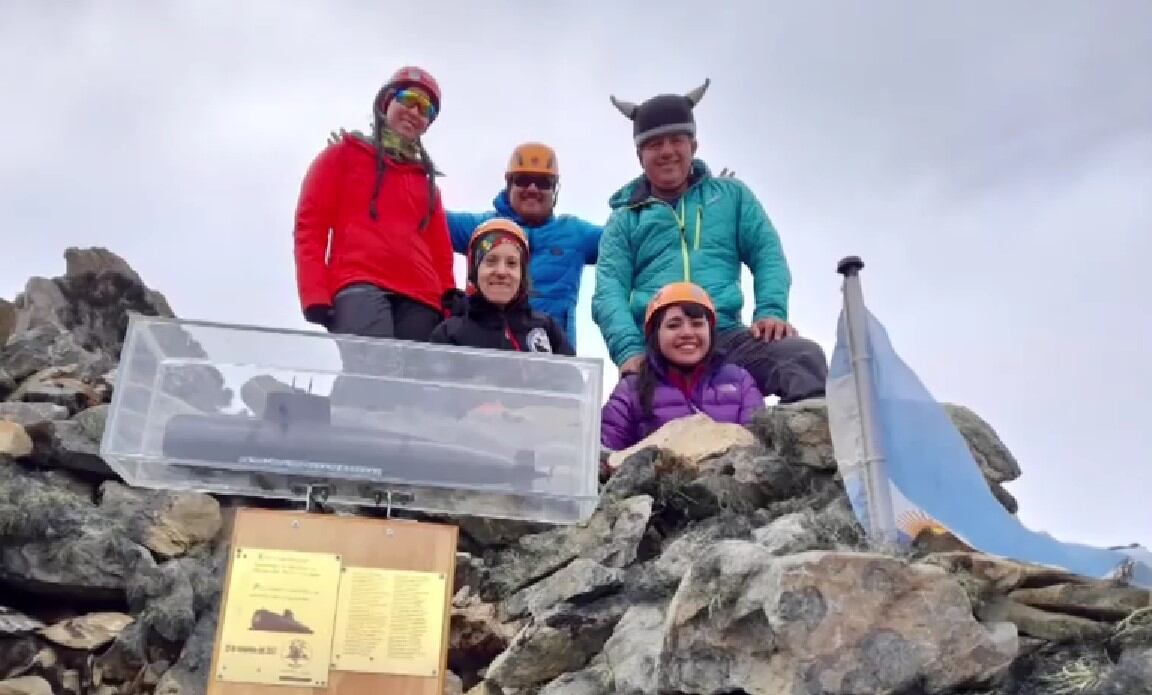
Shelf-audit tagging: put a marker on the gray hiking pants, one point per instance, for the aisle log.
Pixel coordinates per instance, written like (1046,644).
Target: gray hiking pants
(792,368)
(366,310)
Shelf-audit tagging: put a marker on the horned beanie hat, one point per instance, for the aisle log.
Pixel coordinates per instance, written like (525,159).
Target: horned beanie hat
(662,114)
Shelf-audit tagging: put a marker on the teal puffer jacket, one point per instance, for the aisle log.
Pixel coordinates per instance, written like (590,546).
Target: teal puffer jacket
(717,225)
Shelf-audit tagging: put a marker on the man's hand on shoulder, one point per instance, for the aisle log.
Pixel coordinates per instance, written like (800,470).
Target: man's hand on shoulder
(631,365)
(771,329)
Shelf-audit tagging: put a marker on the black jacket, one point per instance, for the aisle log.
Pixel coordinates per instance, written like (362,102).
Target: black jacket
(478,323)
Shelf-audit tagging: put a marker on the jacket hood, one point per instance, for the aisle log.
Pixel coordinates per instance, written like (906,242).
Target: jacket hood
(503,207)
(364,141)
(638,190)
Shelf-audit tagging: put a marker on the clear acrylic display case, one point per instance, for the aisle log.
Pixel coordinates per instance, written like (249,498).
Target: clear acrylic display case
(245,410)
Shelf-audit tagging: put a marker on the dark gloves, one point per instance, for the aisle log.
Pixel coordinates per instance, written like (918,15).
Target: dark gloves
(319,314)
(453,301)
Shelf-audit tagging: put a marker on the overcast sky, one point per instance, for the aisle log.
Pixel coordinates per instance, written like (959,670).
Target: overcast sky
(991,162)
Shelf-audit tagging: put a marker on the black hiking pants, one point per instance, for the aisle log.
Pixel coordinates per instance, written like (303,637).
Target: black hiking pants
(367,310)
(792,368)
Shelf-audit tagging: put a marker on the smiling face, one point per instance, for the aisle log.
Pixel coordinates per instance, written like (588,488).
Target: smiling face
(684,337)
(532,196)
(409,113)
(499,275)
(667,161)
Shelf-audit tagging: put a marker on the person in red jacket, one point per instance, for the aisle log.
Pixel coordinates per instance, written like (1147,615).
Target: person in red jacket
(373,252)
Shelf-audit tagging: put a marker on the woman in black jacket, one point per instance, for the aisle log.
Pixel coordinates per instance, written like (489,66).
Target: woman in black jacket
(495,312)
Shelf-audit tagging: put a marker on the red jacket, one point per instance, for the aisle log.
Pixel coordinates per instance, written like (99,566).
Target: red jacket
(391,251)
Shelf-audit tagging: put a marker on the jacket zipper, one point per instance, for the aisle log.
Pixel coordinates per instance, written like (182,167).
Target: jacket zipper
(508,334)
(681,222)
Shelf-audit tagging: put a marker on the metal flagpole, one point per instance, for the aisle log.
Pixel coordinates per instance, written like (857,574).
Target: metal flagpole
(883,525)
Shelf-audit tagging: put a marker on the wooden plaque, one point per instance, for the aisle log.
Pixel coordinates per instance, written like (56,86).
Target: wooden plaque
(384,621)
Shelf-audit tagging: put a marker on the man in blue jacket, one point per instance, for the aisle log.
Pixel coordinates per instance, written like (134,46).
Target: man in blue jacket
(561,244)
(679,222)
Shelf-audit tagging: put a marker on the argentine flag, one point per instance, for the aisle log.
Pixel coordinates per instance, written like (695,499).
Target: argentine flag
(908,470)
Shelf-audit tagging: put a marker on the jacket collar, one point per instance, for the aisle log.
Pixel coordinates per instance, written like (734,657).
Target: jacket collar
(364,142)
(638,191)
(478,308)
(705,369)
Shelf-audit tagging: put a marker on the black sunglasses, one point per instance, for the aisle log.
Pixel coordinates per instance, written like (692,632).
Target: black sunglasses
(543,183)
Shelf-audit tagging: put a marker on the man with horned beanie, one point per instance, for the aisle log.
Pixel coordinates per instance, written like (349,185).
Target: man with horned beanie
(677,222)
(373,254)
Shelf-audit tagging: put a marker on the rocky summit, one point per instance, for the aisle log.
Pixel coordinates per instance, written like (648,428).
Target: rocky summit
(721,559)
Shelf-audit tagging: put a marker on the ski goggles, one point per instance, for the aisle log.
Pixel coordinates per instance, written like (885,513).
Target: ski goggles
(412,98)
(542,182)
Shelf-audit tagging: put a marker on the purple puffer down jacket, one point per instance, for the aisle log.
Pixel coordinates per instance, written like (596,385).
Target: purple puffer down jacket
(726,393)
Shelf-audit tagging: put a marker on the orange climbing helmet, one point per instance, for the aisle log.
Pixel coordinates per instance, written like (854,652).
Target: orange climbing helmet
(499,224)
(485,238)
(533,158)
(679,293)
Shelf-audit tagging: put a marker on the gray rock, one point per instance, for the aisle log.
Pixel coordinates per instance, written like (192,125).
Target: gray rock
(166,598)
(7,320)
(490,533)
(797,433)
(95,260)
(167,523)
(7,383)
(33,415)
(594,680)
(633,650)
(1134,631)
(92,565)
(791,533)
(38,305)
(36,507)
(477,635)
(40,348)
(58,387)
(1046,625)
(611,537)
(563,640)
(1132,675)
(470,572)
(1096,600)
(995,460)
(635,476)
(1005,498)
(92,421)
(679,552)
(66,444)
(13,622)
(59,543)
(17,654)
(825,622)
(580,581)
(189,675)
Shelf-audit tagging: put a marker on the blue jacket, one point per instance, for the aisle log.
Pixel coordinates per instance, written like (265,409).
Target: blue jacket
(717,225)
(561,247)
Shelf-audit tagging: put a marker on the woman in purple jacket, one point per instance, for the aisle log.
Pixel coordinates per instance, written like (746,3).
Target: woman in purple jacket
(682,375)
